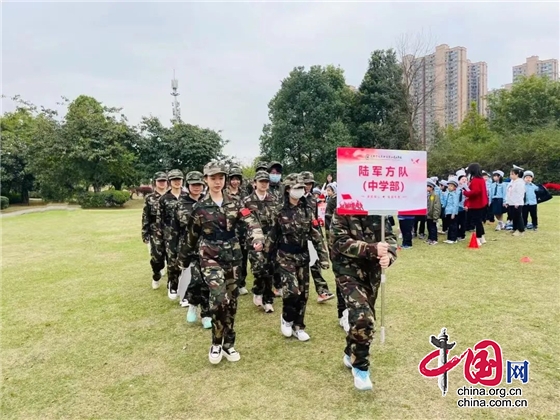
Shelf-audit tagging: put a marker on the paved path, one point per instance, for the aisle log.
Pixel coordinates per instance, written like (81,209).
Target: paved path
(39,210)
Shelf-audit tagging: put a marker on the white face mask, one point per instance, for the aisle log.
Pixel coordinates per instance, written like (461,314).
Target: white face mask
(275,178)
(297,193)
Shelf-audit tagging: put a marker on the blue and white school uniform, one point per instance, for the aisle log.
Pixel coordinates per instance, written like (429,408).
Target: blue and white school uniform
(496,200)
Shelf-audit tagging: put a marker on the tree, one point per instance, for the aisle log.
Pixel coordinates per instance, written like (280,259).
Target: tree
(531,103)
(181,146)
(379,110)
(309,118)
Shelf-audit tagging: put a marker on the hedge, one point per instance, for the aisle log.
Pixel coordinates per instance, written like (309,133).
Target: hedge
(4,202)
(109,198)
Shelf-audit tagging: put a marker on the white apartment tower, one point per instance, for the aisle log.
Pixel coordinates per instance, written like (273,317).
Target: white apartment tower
(533,65)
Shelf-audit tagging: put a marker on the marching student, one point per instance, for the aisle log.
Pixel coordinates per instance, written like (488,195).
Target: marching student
(488,216)
(451,211)
(515,196)
(461,215)
(497,198)
(434,211)
(530,206)
(406,225)
(443,198)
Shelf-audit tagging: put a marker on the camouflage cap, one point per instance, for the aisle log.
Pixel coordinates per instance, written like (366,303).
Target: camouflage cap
(300,181)
(307,177)
(262,176)
(160,175)
(261,166)
(235,171)
(175,174)
(215,167)
(276,165)
(194,177)
(290,180)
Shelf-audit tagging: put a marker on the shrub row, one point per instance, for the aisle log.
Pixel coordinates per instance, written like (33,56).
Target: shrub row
(4,202)
(109,198)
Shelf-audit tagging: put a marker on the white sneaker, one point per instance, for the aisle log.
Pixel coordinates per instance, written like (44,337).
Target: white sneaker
(286,327)
(449,242)
(184,303)
(155,284)
(346,361)
(498,227)
(257,300)
(172,294)
(243,291)
(215,354)
(362,380)
(479,242)
(483,240)
(231,354)
(162,272)
(268,308)
(301,335)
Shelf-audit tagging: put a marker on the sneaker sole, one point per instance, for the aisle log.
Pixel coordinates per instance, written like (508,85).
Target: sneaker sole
(237,359)
(346,363)
(216,360)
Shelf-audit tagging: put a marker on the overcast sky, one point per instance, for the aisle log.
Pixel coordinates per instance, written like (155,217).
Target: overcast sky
(230,57)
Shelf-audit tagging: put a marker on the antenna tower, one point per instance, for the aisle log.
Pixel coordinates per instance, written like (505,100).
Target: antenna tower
(175,103)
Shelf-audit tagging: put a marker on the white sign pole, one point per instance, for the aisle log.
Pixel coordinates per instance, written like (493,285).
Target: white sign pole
(382,291)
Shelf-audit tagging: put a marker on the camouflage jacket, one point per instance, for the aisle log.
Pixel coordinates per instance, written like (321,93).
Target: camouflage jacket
(277,190)
(312,203)
(240,195)
(149,216)
(350,241)
(167,214)
(184,211)
(293,227)
(263,210)
(214,230)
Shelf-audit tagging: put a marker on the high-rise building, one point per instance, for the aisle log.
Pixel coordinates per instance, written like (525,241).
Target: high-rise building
(533,66)
(442,86)
(478,85)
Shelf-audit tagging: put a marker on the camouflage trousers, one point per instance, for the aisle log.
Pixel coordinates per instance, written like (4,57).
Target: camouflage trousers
(173,269)
(197,292)
(321,285)
(222,283)
(360,295)
(242,281)
(262,273)
(157,257)
(295,291)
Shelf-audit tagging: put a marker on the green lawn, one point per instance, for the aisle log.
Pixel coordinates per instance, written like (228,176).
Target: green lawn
(85,336)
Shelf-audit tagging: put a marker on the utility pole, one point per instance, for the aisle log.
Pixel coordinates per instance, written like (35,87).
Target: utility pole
(175,103)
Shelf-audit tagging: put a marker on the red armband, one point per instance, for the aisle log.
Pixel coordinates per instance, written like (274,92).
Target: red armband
(245,212)
(315,222)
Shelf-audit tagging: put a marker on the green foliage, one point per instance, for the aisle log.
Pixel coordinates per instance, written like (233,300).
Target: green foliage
(532,102)
(15,198)
(309,118)
(379,111)
(103,199)
(4,202)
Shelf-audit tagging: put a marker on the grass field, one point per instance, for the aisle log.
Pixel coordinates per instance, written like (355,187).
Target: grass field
(85,336)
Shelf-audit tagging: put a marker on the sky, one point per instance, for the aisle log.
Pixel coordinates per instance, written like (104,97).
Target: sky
(230,58)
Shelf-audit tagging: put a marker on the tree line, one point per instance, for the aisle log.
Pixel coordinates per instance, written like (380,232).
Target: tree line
(315,111)
(92,146)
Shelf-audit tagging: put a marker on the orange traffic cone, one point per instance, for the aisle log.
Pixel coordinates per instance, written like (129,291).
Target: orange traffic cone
(473,243)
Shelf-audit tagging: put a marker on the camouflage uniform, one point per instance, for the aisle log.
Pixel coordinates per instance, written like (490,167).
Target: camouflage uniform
(197,292)
(151,232)
(240,195)
(264,211)
(353,241)
(329,213)
(213,230)
(293,227)
(321,285)
(169,224)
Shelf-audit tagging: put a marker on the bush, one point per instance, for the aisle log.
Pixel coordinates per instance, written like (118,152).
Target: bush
(34,194)
(103,199)
(14,198)
(4,202)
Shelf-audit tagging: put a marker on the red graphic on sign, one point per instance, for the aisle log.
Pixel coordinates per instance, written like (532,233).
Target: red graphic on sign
(349,206)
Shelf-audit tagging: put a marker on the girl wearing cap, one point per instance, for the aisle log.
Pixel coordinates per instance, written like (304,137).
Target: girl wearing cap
(477,200)
(212,230)
(497,198)
(530,206)
(452,211)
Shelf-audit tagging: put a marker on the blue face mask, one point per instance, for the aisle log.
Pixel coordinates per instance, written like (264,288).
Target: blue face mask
(275,178)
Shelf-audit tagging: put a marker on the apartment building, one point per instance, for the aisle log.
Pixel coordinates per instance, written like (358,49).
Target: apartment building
(533,65)
(442,86)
